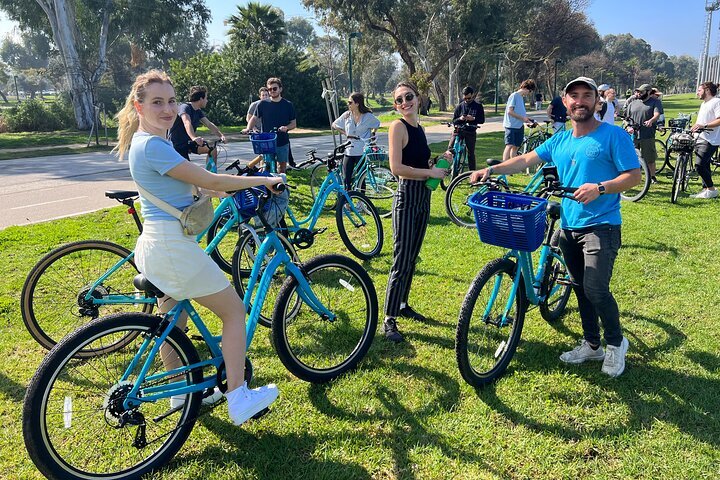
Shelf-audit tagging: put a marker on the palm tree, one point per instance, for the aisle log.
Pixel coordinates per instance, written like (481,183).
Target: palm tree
(256,23)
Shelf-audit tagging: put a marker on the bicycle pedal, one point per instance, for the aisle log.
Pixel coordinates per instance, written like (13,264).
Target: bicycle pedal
(318,231)
(198,338)
(261,413)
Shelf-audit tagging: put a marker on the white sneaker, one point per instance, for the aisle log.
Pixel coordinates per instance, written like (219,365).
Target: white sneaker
(614,363)
(244,402)
(706,193)
(179,400)
(582,353)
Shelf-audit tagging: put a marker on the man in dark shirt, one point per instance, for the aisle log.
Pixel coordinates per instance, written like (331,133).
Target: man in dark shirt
(471,112)
(278,114)
(182,134)
(646,110)
(557,113)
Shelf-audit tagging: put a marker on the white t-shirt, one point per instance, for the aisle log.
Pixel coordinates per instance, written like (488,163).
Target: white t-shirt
(710,111)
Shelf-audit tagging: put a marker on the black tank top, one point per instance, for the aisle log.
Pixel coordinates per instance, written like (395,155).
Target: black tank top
(416,153)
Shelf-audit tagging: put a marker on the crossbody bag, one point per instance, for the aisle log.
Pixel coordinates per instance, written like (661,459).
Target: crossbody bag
(194,218)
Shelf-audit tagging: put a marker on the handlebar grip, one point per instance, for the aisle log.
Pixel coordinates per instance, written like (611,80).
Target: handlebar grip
(280,187)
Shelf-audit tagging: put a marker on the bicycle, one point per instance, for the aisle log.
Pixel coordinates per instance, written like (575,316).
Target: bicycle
(459,150)
(537,137)
(368,177)
(90,278)
(683,144)
(493,311)
(636,193)
(675,125)
(108,416)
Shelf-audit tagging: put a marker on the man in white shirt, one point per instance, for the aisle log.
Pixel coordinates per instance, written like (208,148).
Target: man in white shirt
(707,145)
(516,117)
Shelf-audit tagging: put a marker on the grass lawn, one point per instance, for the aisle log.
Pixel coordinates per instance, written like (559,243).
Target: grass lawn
(407,414)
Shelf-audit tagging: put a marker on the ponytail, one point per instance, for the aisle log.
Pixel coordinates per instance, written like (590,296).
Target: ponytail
(127,117)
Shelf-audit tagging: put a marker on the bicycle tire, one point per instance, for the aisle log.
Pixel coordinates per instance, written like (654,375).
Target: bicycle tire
(670,158)
(222,254)
(636,193)
(242,263)
(72,407)
(379,185)
(317,177)
(485,360)
(51,300)
(678,177)
(364,239)
(661,149)
(308,344)
(557,294)
(456,201)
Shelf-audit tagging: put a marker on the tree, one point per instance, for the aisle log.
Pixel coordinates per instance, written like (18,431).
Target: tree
(257,24)
(81,29)
(300,33)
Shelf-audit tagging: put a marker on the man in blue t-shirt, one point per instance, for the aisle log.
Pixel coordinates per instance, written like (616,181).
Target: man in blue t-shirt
(182,134)
(276,114)
(600,161)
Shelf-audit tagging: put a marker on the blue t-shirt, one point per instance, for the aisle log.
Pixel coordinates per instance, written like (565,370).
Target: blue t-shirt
(516,101)
(596,157)
(150,158)
(275,115)
(178,135)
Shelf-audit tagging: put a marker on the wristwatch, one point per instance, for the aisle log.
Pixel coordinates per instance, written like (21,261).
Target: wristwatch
(601,188)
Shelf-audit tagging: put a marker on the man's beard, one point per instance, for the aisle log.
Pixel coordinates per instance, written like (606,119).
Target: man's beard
(644,96)
(581,116)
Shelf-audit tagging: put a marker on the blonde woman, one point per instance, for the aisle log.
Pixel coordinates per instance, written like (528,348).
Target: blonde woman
(171,260)
(410,162)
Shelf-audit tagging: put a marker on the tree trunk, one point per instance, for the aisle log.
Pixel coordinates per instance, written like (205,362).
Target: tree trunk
(442,101)
(5,99)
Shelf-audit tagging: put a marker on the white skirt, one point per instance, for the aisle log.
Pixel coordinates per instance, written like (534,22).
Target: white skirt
(175,263)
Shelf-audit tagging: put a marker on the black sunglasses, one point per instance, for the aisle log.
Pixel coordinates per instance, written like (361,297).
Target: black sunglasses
(273,89)
(409,97)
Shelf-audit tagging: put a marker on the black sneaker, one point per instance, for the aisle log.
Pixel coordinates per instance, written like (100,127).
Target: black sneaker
(391,331)
(408,312)
(653,180)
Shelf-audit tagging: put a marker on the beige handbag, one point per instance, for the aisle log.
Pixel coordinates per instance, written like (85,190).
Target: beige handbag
(194,219)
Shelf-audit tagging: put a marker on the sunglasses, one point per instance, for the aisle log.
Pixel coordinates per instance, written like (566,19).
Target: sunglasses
(273,89)
(409,97)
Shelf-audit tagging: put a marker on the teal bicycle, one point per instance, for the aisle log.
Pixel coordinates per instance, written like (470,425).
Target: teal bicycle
(493,311)
(109,416)
(459,150)
(80,281)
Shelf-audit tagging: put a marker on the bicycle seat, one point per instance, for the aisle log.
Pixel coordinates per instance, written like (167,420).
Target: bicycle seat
(120,194)
(143,284)
(493,161)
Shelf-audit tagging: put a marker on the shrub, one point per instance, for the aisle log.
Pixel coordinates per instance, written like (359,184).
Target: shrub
(32,116)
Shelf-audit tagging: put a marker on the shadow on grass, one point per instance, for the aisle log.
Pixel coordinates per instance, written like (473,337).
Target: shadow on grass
(653,246)
(13,390)
(649,393)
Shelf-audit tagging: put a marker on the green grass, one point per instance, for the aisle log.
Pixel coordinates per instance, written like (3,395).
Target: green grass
(407,414)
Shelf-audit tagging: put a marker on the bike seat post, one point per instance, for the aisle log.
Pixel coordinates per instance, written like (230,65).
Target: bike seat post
(130,203)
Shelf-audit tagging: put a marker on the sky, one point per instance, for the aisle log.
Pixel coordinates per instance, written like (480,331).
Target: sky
(673,26)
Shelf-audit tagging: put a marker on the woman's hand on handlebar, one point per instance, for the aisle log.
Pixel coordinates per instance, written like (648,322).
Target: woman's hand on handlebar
(275,185)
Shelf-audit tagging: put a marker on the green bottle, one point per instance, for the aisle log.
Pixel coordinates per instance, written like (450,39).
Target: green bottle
(432,183)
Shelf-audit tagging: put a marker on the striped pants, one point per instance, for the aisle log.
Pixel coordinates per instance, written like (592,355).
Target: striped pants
(411,211)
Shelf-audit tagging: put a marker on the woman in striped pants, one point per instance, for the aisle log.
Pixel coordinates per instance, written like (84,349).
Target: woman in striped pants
(410,162)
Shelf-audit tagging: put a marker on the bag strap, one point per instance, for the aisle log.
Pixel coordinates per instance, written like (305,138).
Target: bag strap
(161,204)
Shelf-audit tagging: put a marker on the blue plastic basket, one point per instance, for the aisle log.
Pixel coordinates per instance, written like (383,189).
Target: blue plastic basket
(263,143)
(246,202)
(509,220)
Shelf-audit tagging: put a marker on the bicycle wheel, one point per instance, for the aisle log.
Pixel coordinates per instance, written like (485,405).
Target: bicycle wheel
(555,284)
(243,259)
(679,175)
(379,185)
(74,422)
(456,201)
(661,154)
(222,255)
(636,193)
(53,302)
(361,232)
(484,346)
(317,177)
(312,347)
(670,158)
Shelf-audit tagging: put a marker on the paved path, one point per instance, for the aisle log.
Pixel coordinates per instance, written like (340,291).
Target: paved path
(46,188)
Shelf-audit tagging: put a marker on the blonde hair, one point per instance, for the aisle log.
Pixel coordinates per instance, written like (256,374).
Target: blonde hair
(128,119)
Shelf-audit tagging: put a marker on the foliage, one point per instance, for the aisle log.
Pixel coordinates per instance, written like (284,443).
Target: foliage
(256,24)
(300,33)
(234,75)
(35,116)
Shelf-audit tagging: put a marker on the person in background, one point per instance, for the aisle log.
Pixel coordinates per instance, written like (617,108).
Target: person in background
(358,124)
(264,95)
(410,162)
(538,101)
(516,117)
(658,94)
(468,111)
(557,113)
(645,111)
(707,144)
(172,260)
(183,136)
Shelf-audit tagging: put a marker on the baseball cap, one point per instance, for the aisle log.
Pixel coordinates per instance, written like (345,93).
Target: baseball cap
(586,80)
(604,87)
(645,87)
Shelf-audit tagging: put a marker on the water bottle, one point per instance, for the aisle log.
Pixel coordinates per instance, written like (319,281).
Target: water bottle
(432,183)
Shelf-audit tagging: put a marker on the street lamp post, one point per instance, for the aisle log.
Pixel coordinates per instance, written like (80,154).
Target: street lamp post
(497,80)
(557,60)
(17,94)
(585,71)
(352,35)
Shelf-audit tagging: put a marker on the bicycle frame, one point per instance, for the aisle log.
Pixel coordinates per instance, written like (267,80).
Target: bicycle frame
(270,244)
(363,168)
